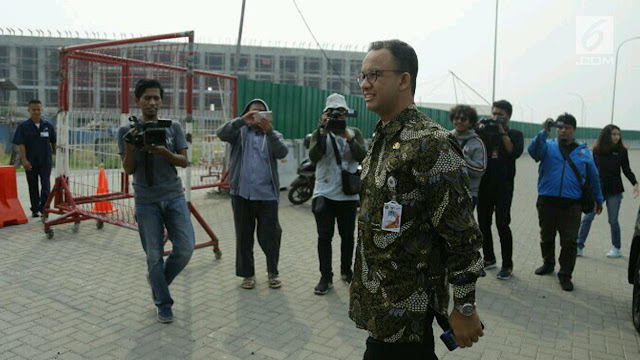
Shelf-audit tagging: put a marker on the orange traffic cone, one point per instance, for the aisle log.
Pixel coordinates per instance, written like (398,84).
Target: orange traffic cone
(103,188)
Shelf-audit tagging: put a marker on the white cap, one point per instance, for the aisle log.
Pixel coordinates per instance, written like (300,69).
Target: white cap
(335,101)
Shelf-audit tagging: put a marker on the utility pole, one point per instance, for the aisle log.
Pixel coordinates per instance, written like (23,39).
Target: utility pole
(495,51)
(237,58)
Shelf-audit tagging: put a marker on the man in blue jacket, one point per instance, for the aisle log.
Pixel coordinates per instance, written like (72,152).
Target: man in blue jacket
(559,194)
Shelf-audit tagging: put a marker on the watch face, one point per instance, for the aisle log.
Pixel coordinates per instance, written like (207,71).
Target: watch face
(467,309)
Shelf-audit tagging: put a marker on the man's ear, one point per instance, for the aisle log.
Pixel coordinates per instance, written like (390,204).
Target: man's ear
(405,81)
(137,101)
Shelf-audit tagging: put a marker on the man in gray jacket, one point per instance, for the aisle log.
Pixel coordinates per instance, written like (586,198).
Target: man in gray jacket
(464,118)
(255,187)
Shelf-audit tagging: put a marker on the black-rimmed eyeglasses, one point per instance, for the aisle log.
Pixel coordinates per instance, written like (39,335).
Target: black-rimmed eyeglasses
(372,75)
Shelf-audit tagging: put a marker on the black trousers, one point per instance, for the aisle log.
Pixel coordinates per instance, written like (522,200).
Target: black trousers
(39,198)
(494,197)
(344,212)
(566,222)
(425,350)
(245,215)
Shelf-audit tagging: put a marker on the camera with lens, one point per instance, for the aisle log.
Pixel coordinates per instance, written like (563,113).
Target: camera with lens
(549,123)
(490,125)
(149,133)
(335,124)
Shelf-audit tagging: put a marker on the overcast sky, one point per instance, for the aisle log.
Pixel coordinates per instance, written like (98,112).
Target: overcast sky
(539,41)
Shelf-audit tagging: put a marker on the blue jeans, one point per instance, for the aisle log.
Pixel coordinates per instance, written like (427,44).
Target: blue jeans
(152,219)
(613,208)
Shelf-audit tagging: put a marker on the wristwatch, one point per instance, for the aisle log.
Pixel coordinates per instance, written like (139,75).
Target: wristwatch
(466,309)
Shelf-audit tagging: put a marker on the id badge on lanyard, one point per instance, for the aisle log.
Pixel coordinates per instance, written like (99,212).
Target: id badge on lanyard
(392,211)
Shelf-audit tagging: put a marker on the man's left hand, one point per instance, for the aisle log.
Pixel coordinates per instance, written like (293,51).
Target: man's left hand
(598,209)
(345,134)
(466,329)
(265,126)
(501,129)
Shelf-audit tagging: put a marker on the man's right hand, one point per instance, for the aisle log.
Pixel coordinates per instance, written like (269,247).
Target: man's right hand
(598,209)
(248,118)
(26,165)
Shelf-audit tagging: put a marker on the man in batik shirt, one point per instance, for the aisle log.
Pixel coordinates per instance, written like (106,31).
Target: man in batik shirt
(416,230)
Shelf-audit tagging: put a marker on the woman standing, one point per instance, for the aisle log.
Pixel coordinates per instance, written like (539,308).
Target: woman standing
(611,156)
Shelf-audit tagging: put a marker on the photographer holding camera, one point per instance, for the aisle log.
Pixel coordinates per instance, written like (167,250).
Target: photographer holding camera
(567,171)
(255,188)
(335,148)
(504,146)
(159,197)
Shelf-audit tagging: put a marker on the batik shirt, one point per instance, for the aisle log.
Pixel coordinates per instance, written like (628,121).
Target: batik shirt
(399,276)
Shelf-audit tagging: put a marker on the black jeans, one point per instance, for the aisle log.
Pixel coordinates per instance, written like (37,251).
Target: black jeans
(566,222)
(425,350)
(38,198)
(493,197)
(245,214)
(344,212)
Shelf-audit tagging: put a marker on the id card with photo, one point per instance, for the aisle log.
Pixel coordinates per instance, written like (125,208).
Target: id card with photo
(392,217)
(44,134)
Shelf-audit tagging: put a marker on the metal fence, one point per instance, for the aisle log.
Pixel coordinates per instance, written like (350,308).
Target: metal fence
(297,110)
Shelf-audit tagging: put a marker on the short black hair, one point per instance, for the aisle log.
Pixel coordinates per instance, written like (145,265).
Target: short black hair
(34,102)
(504,105)
(466,111)
(404,57)
(568,119)
(144,84)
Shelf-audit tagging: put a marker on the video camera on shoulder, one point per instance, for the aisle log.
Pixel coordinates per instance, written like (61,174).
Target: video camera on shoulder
(335,124)
(489,122)
(149,133)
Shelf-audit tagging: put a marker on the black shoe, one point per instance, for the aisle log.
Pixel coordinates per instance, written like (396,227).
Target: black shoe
(566,284)
(35,214)
(545,269)
(489,264)
(505,273)
(347,277)
(165,315)
(323,286)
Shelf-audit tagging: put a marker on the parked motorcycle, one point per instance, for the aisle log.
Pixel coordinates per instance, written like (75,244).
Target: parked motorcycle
(301,188)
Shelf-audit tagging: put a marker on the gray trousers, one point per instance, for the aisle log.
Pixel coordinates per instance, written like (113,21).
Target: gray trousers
(246,213)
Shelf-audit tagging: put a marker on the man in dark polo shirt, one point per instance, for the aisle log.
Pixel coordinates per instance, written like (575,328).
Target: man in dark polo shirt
(37,140)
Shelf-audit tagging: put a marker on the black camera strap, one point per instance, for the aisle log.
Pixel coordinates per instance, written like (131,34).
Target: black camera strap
(573,166)
(335,150)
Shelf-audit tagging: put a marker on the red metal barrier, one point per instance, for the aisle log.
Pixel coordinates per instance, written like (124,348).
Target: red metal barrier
(11,212)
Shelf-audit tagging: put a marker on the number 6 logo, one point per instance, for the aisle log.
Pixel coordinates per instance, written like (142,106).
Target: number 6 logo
(594,35)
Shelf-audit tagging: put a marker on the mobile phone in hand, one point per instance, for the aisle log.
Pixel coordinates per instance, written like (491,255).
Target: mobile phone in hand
(450,341)
(267,115)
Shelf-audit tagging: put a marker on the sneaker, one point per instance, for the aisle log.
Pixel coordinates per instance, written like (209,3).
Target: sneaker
(347,277)
(580,252)
(323,286)
(566,284)
(35,214)
(488,264)
(545,269)
(505,273)
(165,315)
(614,253)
